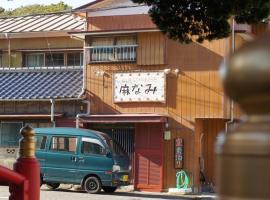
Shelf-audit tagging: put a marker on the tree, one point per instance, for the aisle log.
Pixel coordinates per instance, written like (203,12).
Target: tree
(36,9)
(184,20)
(2,10)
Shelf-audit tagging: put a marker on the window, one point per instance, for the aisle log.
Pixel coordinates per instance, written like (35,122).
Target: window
(75,59)
(113,49)
(66,144)
(40,142)
(34,60)
(10,134)
(1,60)
(92,146)
(54,59)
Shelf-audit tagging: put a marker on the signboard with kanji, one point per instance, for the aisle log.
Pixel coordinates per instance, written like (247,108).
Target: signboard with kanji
(178,147)
(139,87)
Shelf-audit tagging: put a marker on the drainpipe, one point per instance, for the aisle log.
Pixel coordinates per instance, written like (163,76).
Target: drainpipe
(52,112)
(83,114)
(232,102)
(9,49)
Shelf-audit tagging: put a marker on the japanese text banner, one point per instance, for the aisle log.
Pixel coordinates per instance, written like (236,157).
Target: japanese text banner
(139,87)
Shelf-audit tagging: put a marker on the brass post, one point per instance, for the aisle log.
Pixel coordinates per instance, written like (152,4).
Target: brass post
(27,165)
(243,155)
(27,143)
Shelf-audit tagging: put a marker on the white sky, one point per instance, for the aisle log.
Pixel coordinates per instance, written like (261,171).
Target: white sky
(11,4)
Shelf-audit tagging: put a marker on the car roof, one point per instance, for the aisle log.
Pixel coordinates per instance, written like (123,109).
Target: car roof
(68,131)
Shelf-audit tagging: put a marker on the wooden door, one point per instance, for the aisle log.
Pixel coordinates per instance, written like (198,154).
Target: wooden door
(148,157)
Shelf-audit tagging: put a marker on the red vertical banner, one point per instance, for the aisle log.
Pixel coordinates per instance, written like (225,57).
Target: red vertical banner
(178,153)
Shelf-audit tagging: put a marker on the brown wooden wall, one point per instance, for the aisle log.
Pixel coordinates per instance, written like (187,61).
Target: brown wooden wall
(151,48)
(196,92)
(70,108)
(207,131)
(123,22)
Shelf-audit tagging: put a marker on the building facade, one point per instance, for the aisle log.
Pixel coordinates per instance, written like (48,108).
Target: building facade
(161,100)
(41,70)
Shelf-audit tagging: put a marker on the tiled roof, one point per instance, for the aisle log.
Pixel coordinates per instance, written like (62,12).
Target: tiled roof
(41,22)
(40,84)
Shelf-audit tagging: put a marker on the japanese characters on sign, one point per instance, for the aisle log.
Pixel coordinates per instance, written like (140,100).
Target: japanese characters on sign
(139,87)
(179,146)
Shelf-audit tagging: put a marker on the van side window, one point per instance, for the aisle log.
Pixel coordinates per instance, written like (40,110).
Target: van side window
(92,146)
(62,143)
(40,142)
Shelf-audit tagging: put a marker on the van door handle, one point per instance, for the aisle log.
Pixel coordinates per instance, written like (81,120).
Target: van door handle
(73,159)
(80,159)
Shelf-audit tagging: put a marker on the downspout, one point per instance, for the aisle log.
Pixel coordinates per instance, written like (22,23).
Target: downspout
(9,49)
(232,102)
(52,111)
(88,108)
(83,114)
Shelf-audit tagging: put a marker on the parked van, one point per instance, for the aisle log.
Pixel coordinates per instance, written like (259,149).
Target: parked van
(82,157)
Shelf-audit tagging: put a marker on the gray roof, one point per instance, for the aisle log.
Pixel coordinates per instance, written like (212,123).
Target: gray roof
(41,22)
(40,84)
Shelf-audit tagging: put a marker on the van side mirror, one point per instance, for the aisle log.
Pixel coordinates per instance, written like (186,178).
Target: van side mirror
(108,154)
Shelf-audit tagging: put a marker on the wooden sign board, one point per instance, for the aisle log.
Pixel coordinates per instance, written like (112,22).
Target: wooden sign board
(139,87)
(179,153)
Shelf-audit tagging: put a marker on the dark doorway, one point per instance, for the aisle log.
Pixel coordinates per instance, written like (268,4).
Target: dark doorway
(121,133)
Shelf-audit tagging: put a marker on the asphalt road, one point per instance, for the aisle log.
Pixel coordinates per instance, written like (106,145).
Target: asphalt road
(70,194)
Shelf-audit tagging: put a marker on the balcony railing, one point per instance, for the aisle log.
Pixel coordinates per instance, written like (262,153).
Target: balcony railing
(119,53)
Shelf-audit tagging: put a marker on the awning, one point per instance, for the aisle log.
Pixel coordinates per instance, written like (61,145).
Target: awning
(28,116)
(125,118)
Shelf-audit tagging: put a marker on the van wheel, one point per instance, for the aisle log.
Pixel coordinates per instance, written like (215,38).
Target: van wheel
(92,185)
(109,189)
(52,186)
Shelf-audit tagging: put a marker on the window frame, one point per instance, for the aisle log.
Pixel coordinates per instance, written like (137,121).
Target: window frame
(80,57)
(34,53)
(92,140)
(114,45)
(50,54)
(46,142)
(1,60)
(66,152)
(1,134)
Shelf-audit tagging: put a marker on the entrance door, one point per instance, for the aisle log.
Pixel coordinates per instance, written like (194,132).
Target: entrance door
(149,157)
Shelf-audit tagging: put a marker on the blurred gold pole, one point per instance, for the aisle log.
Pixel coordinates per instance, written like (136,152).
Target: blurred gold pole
(243,155)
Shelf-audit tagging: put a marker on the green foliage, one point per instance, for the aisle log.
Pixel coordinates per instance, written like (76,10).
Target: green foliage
(183,20)
(36,9)
(2,10)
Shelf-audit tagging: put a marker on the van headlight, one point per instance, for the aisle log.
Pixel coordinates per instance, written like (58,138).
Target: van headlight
(116,168)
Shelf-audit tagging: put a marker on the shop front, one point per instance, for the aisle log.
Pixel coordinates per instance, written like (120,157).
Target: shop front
(141,136)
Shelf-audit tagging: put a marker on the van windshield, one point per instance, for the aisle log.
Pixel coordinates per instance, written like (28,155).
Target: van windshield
(117,150)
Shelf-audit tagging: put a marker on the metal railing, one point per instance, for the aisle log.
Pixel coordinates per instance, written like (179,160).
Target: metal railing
(117,53)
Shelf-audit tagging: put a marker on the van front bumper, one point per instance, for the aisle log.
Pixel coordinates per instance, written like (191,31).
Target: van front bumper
(121,179)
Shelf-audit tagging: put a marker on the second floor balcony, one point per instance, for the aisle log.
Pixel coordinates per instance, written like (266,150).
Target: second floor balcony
(116,53)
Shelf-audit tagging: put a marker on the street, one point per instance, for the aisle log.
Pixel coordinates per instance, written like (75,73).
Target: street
(66,194)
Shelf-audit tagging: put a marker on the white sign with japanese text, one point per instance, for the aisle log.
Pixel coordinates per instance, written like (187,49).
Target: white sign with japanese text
(139,87)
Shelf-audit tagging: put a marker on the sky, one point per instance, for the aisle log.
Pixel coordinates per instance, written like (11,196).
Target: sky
(11,4)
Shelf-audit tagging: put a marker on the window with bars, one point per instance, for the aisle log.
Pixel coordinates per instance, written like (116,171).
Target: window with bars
(113,49)
(10,134)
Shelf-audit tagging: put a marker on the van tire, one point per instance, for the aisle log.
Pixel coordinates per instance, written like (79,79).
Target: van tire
(92,185)
(109,189)
(52,186)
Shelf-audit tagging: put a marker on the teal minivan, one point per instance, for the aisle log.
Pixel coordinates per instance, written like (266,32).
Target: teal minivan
(82,157)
